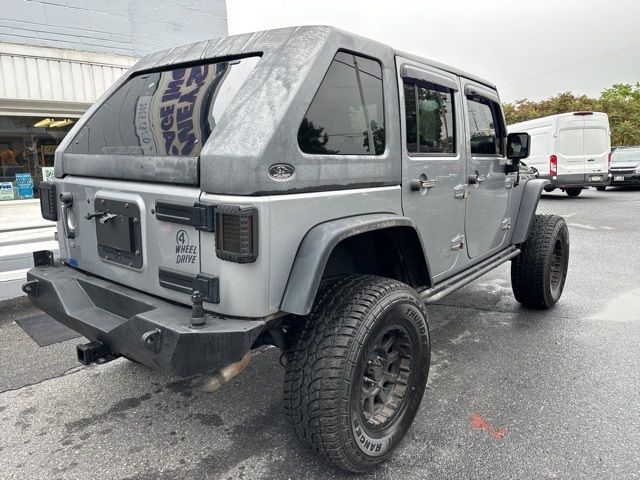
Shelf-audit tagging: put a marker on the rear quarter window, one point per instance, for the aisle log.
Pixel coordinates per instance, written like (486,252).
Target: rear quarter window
(166,113)
(346,116)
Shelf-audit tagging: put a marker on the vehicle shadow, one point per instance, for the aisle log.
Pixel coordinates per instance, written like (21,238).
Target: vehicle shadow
(565,197)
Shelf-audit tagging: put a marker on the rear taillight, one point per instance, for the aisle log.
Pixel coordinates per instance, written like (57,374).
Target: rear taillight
(609,162)
(236,233)
(48,201)
(553,166)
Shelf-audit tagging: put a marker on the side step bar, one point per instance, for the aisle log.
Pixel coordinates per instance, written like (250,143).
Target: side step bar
(452,284)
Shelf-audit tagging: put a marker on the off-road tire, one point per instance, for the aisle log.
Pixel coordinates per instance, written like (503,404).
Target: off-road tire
(601,189)
(329,360)
(538,274)
(573,192)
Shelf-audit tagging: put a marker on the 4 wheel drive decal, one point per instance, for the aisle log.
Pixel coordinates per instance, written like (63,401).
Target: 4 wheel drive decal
(185,251)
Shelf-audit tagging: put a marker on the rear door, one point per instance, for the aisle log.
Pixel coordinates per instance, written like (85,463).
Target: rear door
(570,146)
(597,145)
(133,175)
(433,161)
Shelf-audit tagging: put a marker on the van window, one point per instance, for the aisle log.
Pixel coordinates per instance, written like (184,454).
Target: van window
(570,142)
(486,128)
(346,116)
(429,118)
(170,112)
(595,141)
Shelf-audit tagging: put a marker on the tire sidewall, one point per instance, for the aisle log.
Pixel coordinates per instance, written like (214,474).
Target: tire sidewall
(403,308)
(560,231)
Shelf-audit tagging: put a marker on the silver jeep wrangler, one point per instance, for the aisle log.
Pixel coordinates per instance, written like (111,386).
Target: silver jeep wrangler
(305,188)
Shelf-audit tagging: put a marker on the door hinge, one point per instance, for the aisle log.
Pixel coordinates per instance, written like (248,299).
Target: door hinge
(460,191)
(506,224)
(457,243)
(198,215)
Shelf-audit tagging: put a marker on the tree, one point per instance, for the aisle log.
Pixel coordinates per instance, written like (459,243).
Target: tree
(621,102)
(378,138)
(313,139)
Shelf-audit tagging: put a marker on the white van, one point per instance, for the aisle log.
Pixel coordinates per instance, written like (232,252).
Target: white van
(572,150)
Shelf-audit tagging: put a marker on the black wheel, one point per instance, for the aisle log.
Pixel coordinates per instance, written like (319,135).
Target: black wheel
(573,192)
(601,189)
(538,274)
(357,370)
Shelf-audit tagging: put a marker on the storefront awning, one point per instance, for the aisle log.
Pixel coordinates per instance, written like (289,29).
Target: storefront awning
(41,81)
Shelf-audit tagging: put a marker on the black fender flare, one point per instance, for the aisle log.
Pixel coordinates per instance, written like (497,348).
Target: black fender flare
(528,206)
(315,249)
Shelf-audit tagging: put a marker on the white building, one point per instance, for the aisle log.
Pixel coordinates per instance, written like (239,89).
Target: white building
(58,56)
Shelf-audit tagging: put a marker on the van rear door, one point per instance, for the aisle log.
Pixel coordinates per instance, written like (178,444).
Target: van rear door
(570,146)
(597,146)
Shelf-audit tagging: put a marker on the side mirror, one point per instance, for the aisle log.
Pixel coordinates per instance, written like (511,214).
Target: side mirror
(518,146)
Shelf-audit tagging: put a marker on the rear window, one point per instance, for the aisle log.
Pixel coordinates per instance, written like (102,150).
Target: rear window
(170,112)
(595,141)
(570,142)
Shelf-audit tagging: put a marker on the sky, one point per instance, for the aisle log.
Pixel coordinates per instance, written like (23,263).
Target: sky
(529,48)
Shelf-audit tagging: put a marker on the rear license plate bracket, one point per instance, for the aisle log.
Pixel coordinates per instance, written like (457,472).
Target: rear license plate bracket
(119,238)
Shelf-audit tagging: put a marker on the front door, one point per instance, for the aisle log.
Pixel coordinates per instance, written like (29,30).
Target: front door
(433,173)
(486,221)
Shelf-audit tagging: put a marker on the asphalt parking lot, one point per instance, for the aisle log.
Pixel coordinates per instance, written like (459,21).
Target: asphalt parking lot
(512,393)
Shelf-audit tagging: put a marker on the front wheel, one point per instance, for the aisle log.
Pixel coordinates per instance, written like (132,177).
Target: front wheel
(573,192)
(357,370)
(538,274)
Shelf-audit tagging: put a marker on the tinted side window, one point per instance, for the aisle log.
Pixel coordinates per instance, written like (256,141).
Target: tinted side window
(346,115)
(485,126)
(429,118)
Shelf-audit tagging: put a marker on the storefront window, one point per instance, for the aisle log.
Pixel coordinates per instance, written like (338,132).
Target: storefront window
(27,147)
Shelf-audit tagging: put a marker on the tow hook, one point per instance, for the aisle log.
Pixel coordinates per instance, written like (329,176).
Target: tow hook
(92,352)
(30,288)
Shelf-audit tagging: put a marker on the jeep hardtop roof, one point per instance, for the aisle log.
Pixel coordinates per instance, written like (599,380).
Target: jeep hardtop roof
(178,54)
(259,125)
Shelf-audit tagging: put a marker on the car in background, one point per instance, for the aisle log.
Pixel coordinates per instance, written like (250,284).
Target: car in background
(625,167)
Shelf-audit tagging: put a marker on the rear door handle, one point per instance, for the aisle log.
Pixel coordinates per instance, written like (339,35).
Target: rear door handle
(422,184)
(591,160)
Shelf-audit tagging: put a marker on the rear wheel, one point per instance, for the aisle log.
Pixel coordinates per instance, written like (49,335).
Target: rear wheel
(538,274)
(601,189)
(357,370)
(573,192)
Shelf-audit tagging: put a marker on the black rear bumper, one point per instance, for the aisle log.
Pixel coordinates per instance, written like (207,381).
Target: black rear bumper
(123,319)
